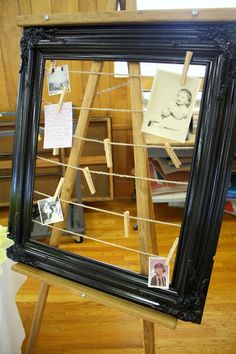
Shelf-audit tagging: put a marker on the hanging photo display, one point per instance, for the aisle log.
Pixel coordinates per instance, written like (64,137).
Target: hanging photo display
(171,105)
(50,210)
(57,79)
(149,285)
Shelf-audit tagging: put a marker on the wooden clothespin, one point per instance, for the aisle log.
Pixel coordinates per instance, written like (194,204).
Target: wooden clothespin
(89,180)
(51,66)
(126,223)
(55,152)
(172,251)
(172,155)
(187,61)
(107,148)
(59,187)
(61,99)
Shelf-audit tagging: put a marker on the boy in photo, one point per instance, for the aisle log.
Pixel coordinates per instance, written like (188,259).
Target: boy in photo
(158,273)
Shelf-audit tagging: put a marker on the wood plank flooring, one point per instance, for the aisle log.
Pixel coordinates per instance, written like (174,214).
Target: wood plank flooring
(75,325)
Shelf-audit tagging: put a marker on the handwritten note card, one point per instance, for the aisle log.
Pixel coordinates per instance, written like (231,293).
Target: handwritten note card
(58,126)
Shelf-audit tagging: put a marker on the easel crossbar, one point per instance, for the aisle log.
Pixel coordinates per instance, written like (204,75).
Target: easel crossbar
(94,295)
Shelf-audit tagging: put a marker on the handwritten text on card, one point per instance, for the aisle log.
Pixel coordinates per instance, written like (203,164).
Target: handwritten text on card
(58,126)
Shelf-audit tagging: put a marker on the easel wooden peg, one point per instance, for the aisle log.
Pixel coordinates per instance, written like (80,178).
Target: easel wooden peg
(107,148)
(172,251)
(172,155)
(126,223)
(187,61)
(89,180)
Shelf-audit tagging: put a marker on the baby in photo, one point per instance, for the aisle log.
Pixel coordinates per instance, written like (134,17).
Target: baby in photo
(171,105)
(180,108)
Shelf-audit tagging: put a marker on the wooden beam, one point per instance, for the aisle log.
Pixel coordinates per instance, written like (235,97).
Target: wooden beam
(97,296)
(37,318)
(146,230)
(76,150)
(121,17)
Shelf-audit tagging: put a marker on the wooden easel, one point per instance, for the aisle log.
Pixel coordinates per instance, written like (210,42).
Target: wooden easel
(146,230)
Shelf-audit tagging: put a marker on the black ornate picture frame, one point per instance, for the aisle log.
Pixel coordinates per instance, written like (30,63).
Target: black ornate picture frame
(213,45)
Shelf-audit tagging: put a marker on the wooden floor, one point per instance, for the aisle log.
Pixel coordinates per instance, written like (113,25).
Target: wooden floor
(74,325)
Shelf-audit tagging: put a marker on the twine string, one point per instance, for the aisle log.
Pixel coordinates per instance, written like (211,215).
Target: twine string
(109,211)
(95,239)
(132,145)
(112,174)
(116,143)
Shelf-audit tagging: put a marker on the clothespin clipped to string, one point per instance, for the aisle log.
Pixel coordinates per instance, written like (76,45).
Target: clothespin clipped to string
(187,61)
(107,148)
(61,99)
(59,187)
(41,131)
(172,251)
(172,155)
(51,66)
(55,152)
(89,180)
(126,223)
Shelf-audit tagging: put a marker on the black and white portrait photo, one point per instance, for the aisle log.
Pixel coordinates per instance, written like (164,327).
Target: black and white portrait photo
(170,106)
(159,273)
(58,79)
(50,210)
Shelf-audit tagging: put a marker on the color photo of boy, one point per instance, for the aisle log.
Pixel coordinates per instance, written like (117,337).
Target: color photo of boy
(158,276)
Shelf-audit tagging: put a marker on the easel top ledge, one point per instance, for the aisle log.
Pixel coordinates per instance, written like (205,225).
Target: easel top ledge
(129,17)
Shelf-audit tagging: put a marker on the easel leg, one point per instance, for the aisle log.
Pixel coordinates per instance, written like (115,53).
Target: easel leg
(149,337)
(143,190)
(76,150)
(146,230)
(38,314)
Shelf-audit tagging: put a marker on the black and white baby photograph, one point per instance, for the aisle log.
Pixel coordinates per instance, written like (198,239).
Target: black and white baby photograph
(57,79)
(50,210)
(171,105)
